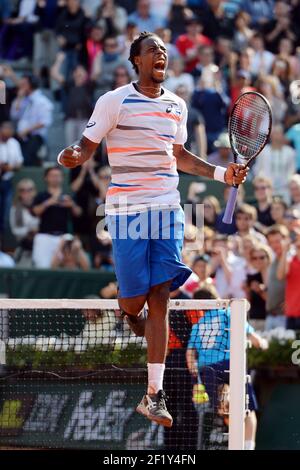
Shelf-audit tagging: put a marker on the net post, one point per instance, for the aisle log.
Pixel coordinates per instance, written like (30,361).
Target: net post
(237,375)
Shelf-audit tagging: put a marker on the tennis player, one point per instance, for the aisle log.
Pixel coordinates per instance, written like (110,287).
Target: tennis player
(145,129)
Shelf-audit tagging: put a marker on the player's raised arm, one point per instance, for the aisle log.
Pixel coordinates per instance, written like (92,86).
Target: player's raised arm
(77,154)
(190,163)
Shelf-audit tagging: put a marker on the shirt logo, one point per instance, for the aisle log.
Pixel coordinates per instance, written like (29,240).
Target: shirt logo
(169,108)
(91,124)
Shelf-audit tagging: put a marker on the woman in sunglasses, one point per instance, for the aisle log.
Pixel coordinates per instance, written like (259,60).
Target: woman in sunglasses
(256,283)
(23,223)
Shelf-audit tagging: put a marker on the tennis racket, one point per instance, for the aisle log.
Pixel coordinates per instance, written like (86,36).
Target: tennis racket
(249,128)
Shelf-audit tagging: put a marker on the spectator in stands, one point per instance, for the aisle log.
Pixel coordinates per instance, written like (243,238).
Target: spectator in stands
(5,10)
(243,61)
(70,254)
(277,235)
(260,11)
(6,261)
(188,43)
(262,59)
(113,16)
(45,44)
(23,224)
(178,15)
(101,251)
(104,175)
(289,269)
(292,222)
(293,110)
(161,7)
(281,69)
(106,63)
(212,209)
(223,58)
(293,137)
(243,33)
(294,188)
(121,77)
(11,160)
(110,291)
(17,33)
(126,39)
(90,7)
(201,266)
(32,113)
(286,51)
(229,269)
(278,161)
(240,82)
(54,208)
(77,99)
(215,20)
(245,247)
(245,219)
(205,62)
(256,283)
(196,134)
(9,82)
(85,185)
(222,156)
(94,45)
(281,26)
(271,88)
(263,191)
(278,210)
(210,99)
(70,29)
(144,19)
(177,76)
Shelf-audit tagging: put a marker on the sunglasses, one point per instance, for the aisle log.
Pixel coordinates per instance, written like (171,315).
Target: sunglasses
(261,188)
(25,190)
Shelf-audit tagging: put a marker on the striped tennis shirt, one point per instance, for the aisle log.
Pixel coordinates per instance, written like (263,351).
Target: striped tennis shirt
(140,133)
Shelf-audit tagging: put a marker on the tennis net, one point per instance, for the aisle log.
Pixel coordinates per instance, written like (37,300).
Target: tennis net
(72,374)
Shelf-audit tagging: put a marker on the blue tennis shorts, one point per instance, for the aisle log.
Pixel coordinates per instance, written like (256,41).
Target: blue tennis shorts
(147,250)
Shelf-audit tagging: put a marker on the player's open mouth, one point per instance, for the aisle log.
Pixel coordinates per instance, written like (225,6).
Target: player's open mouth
(160,66)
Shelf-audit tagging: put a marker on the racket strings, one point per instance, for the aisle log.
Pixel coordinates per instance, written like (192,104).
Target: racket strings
(249,126)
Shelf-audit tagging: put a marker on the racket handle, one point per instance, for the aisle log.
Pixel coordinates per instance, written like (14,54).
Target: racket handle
(230,206)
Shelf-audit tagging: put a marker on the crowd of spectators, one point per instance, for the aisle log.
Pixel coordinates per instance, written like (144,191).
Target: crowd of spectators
(66,53)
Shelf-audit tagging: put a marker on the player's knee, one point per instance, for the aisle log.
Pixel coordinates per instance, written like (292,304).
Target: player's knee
(132,306)
(161,292)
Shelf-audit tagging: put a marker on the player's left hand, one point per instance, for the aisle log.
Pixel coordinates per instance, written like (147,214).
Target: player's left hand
(236,174)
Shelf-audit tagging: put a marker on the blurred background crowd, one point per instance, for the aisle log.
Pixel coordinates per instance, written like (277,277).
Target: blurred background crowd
(58,56)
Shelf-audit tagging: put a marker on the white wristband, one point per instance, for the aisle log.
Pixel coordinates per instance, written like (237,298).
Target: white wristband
(219,174)
(58,158)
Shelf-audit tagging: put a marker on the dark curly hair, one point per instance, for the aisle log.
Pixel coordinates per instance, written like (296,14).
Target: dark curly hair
(135,48)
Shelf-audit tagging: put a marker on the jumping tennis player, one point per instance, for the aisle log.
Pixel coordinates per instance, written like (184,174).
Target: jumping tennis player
(145,129)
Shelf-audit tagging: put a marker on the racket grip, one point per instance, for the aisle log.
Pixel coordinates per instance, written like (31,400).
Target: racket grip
(230,206)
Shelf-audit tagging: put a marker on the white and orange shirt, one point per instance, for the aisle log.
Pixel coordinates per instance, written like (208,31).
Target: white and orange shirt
(140,133)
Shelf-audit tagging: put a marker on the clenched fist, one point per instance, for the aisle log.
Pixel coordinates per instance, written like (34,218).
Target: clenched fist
(70,157)
(235,174)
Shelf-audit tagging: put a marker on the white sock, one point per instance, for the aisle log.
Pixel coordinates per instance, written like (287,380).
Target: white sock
(249,445)
(155,377)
